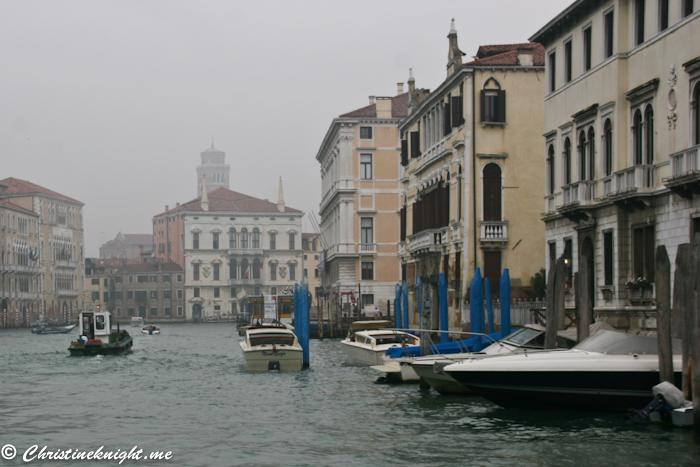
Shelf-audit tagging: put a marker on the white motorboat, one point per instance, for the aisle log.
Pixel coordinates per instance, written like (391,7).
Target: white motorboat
(137,321)
(367,341)
(529,338)
(150,329)
(272,346)
(611,371)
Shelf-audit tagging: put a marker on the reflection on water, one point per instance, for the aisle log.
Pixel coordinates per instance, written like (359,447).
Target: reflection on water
(187,391)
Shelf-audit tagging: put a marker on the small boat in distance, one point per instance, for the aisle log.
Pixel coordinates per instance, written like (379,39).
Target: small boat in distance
(367,341)
(97,336)
(150,329)
(53,329)
(272,346)
(137,321)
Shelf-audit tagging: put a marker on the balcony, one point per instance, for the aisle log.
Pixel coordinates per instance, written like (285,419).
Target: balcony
(550,204)
(245,252)
(428,241)
(67,292)
(15,268)
(577,199)
(631,187)
(685,173)
(64,263)
(27,296)
(245,282)
(365,248)
(494,232)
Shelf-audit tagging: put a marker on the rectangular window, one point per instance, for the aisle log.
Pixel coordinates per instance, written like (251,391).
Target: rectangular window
(493,106)
(95,296)
(195,240)
(638,22)
(179,277)
(663,15)
(415,144)
(105,296)
(316,273)
(643,248)
(154,295)
(587,55)
(119,312)
(217,292)
(568,67)
(367,230)
(179,311)
(195,272)
(273,290)
(608,34)
(233,292)
(291,241)
(366,166)
(215,240)
(196,291)
(216,271)
(687,8)
(106,282)
(273,272)
(179,294)
(131,278)
(95,282)
(154,311)
(273,241)
(292,272)
(118,279)
(552,72)
(142,279)
(130,295)
(367,300)
(608,257)
(167,311)
(367,271)
(166,294)
(306,272)
(365,132)
(166,277)
(154,278)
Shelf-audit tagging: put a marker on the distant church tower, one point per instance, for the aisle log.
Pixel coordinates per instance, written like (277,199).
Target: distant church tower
(214,169)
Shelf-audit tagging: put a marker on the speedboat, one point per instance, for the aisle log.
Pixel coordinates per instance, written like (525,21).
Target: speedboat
(150,329)
(272,346)
(53,329)
(609,371)
(367,341)
(529,338)
(97,337)
(137,321)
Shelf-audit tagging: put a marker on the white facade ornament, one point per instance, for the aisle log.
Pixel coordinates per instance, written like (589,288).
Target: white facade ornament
(205,271)
(672,100)
(282,271)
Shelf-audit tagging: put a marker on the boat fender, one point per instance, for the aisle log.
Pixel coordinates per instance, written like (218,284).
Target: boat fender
(94,340)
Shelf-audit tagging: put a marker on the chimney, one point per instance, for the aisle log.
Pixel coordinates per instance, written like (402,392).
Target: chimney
(525,56)
(412,95)
(454,55)
(399,89)
(140,250)
(383,107)
(205,196)
(280,198)
(371,100)
(166,208)
(177,205)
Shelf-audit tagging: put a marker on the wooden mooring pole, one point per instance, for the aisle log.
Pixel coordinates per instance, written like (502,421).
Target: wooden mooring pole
(556,311)
(663,314)
(692,322)
(583,302)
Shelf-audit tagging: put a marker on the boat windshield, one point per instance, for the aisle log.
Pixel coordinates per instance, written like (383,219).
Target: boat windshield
(383,339)
(620,343)
(270,339)
(524,335)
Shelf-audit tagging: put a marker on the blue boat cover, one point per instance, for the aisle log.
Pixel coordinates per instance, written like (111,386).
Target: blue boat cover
(448,348)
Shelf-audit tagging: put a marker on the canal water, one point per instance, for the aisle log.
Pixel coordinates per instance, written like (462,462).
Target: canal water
(187,391)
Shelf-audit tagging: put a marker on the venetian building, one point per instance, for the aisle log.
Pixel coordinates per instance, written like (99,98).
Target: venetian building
(471,180)
(213,169)
(60,246)
(360,202)
(621,139)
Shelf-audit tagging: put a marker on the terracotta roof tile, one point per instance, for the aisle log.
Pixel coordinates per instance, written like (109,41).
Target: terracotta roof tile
(9,205)
(399,106)
(13,186)
(223,199)
(507,54)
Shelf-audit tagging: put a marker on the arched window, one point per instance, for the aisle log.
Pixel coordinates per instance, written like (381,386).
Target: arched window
(232,238)
(582,146)
(550,170)
(233,269)
(649,134)
(637,138)
(245,274)
(567,161)
(492,192)
(696,114)
(244,238)
(607,147)
(591,154)
(257,267)
(256,238)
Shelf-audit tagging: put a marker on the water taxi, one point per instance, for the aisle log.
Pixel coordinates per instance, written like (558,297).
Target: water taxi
(367,341)
(272,346)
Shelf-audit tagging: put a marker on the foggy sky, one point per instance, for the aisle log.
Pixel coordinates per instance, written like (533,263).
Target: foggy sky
(111,102)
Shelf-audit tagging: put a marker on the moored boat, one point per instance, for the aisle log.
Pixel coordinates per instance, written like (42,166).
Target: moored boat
(53,329)
(137,321)
(609,371)
(97,336)
(367,341)
(272,346)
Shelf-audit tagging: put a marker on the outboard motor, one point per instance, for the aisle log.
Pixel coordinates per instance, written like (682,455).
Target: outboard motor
(273,365)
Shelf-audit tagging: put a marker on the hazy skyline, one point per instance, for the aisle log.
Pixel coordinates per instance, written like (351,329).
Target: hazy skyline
(111,102)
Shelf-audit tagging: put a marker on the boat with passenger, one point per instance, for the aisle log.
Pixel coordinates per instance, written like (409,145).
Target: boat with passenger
(97,336)
(151,329)
(271,345)
(367,341)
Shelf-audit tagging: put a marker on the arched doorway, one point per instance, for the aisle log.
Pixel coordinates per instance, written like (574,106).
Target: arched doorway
(196,313)
(588,252)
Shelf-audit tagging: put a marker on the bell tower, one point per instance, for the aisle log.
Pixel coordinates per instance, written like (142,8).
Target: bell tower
(214,169)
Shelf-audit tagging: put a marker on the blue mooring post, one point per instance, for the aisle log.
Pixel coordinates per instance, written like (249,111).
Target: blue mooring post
(444,323)
(397,311)
(478,297)
(404,290)
(505,304)
(419,285)
(297,307)
(489,305)
(305,321)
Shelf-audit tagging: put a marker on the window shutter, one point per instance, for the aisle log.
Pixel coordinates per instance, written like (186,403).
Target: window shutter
(448,120)
(456,111)
(404,152)
(501,106)
(415,144)
(483,106)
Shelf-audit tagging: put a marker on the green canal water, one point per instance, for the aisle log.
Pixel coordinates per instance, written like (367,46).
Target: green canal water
(187,391)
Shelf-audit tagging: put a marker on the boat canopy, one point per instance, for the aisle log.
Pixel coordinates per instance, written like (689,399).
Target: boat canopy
(368,325)
(461,346)
(621,343)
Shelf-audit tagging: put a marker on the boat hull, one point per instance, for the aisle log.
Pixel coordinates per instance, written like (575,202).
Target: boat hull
(439,380)
(282,358)
(90,349)
(362,356)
